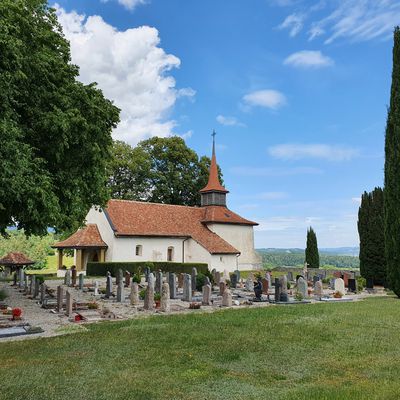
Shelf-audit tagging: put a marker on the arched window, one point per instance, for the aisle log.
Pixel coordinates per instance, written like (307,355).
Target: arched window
(139,248)
(170,253)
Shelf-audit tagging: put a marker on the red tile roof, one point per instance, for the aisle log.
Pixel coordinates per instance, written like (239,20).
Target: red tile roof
(135,218)
(223,215)
(213,181)
(15,258)
(87,237)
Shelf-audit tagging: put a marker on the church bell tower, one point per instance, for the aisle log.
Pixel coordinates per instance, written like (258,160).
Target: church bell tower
(214,194)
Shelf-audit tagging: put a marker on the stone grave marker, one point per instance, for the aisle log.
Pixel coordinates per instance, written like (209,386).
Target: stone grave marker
(249,285)
(277,290)
(370,283)
(318,289)
(227,298)
(194,279)
(127,279)
(81,281)
(234,281)
(159,281)
(149,297)
(69,304)
(146,273)
(120,292)
(284,290)
(265,287)
(151,280)
(222,288)
(352,284)
(42,292)
(290,276)
(187,288)
(165,295)
(21,278)
(60,298)
(73,276)
(96,288)
(206,295)
(67,277)
(217,278)
(134,296)
(339,286)
(302,287)
(180,280)
(172,285)
(109,285)
(36,289)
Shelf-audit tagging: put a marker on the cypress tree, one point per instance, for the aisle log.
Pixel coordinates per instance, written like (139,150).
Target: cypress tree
(372,240)
(312,255)
(392,175)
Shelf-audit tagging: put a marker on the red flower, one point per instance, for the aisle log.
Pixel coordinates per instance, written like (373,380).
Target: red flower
(16,312)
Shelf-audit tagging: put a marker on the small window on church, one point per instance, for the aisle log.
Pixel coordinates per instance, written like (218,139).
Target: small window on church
(139,250)
(170,254)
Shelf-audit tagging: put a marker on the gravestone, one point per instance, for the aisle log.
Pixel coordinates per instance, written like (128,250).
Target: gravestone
(149,297)
(69,304)
(237,273)
(284,290)
(194,279)
(119,277)
(206,301)
(352,283)
(96,288)
(151,280)
(36,289)
(257,287)
(332,283)
(134,297)
(187,288)
(120,292)
(339,286)
(268,278)
(127,279)
(315,279)
(227,298)
(226,275)
(172,285)
(290,276)
(159,281)
(249,285)
(146,273)
(370,283)
(81,281)
(318,289)
(165,302)
(26,284)
(207,281)
(32,285)
(213,274)
(217,278)
(346,277)
(21,278)
(222,288)
(234,281)
(180,281)
(109,285)
(67,277)
(60,298)
(15,278)
(42,292)
(302,287)
(264,284)
(73,276)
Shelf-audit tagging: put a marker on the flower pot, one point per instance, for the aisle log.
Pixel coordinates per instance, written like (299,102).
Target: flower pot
(158,303)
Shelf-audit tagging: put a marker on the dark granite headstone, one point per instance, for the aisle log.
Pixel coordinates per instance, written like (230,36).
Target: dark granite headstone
(146,273)
(258,290)
(277,290)
(264,283)
(352,285)
(234,281)
(370,283)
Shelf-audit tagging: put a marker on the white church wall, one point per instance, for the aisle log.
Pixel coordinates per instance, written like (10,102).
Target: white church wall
(194,252)
(107,234)
(242,238)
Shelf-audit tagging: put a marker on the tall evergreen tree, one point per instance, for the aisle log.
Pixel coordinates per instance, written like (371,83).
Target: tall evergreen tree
(372,239)
(392,175)
(312,255)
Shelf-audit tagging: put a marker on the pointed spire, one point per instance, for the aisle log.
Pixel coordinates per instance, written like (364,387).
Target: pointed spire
(213,185)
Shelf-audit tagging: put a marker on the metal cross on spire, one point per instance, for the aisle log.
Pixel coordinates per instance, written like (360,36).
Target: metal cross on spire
(213,136)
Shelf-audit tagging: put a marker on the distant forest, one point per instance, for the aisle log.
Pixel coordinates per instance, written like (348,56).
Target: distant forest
(272,258)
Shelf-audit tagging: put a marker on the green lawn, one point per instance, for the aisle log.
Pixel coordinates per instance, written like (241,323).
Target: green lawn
(324,351)
(51,267)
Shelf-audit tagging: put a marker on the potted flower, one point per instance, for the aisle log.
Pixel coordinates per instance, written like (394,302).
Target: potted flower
(157,299)
(16,313)
(337,295)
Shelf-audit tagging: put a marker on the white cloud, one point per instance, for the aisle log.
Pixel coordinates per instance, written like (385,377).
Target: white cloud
(128,4)
(254,171)
(265,98)
(358,20)
(228,121)
(187,135)
(308,59)
(324,151)
(294,23)
(186,92)
(130,68)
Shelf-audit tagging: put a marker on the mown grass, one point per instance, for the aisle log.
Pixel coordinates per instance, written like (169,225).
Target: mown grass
(323,351)
(51,267)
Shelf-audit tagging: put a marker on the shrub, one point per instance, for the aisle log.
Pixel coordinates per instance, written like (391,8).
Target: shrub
(361,283)
(100,269)
(200,281)
(92,305)
(288,285)
(298,296)
(325,280)
(3,295)
(142,294)
(157,296)
(136,278)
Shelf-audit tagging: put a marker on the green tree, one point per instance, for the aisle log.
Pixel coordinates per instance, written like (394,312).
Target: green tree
(161,170)
(392,175)
(312,255)
(55,132)
(372,238)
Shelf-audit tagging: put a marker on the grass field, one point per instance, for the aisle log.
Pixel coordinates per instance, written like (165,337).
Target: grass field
(322,351)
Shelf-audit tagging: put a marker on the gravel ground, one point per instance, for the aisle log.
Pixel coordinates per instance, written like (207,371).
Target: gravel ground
(54,323)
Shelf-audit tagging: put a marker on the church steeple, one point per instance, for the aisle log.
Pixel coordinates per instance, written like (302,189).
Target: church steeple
(213,194)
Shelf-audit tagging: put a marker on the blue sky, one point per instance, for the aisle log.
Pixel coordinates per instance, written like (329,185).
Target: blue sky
(297,91)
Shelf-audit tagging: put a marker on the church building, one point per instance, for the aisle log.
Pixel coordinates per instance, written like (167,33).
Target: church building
(140,231)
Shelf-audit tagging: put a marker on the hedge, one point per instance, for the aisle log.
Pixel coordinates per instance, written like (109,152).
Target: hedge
(101,268)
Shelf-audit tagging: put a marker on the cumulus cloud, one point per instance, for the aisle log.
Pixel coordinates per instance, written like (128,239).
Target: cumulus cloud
(131,69)
(270,171)
(272,195)
(228,121)
(272,99)
(324,151)
(294,23)
(308,59)
(129,4)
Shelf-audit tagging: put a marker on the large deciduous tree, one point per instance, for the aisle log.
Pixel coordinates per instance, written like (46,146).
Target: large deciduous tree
(372,240)
(161,170)
(312,255)
(392,175)
(55,132)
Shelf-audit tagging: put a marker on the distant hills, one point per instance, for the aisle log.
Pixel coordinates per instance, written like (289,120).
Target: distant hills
(334,251)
